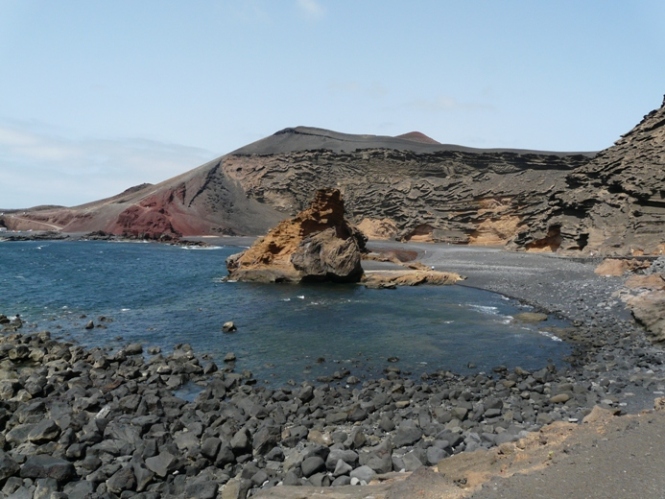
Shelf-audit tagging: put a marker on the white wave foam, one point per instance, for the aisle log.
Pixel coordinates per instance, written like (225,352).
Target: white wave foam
(486,309)
(549,335)
(222,279)
(202,248)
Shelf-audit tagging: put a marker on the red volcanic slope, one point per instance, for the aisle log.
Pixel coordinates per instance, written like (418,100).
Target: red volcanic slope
(201,201)
(417,137)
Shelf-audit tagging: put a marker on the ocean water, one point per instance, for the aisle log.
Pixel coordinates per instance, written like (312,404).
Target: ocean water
(163,295)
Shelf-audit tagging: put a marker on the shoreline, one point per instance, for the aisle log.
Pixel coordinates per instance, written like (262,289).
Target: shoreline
(563,287)
(405,423)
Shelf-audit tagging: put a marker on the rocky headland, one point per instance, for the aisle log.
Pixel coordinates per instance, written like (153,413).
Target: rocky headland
(614,204)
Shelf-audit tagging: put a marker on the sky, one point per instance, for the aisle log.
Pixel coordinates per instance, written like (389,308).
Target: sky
(96,97)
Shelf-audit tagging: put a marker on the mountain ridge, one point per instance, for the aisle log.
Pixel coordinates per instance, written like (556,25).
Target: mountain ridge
(408,187)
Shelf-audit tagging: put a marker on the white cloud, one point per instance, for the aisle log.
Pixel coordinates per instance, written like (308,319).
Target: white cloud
(38,168)
(15,138)
(312,8)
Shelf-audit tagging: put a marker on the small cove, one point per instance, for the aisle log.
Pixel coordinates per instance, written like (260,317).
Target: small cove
(165,295)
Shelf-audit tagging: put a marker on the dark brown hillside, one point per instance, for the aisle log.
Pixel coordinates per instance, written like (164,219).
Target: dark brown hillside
(436,193)
(418,137)
(201,201)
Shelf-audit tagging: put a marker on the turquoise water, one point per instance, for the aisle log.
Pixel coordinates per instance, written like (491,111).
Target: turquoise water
(164,295)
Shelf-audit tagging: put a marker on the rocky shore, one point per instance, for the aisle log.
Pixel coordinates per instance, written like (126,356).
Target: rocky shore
(136,423)
(102,423)
(96,423)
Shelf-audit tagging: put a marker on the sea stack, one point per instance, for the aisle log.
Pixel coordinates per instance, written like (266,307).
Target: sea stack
(318,244)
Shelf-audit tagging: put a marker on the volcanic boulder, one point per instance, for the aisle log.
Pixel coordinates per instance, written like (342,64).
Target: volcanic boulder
(318,244)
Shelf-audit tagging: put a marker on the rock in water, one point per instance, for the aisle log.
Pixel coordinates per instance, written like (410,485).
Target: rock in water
(318,244)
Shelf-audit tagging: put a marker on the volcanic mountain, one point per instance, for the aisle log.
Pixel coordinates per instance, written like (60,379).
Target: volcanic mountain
(408,187)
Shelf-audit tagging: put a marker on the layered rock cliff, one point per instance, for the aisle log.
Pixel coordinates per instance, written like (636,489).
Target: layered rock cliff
(406,189)
(614,204)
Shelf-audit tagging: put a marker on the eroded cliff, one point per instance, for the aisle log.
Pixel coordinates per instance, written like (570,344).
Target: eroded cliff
(614,204)
(431,193)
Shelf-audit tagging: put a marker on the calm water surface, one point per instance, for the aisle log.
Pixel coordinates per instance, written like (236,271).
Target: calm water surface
(164,295)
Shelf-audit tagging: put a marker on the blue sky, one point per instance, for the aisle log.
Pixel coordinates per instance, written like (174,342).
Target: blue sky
(96,97)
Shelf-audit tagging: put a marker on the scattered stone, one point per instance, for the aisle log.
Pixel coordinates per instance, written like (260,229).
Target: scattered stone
(320,438)
(160,464)
(121,480)
(133,349)
(45,466)
(363,474)
(8,467)
(44,431)
(312,465)
(560,398)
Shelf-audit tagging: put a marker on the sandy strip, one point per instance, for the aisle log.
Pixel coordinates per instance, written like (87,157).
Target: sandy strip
(554,284)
